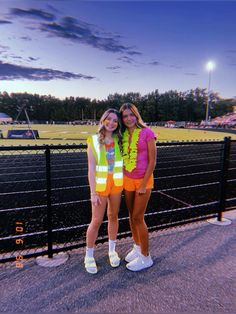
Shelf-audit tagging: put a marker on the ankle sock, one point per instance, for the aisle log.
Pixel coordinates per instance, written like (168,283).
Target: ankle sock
(145,257)
(137,247)
(112,245)
(89,252)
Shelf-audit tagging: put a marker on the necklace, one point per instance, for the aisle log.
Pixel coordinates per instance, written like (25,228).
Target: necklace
(130,149)
(109,140)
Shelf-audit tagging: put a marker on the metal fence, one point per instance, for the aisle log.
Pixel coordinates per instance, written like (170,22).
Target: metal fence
(44,193)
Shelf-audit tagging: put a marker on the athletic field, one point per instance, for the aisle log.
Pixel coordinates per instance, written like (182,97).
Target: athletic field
(70,134)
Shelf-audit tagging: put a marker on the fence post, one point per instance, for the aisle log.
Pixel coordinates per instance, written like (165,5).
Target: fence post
(224,176)
(49,200)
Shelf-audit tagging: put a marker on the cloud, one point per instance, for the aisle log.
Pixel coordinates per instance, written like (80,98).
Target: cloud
(231,51)
(53,9)
(15,72)
(75,30)
(126,59)
(32,13)
(172,66)
(155,63)
(190,74)
(3,48)
(5,22)
(79,31)
(27,38)
(113,68)
(175,66)
(231,59)
(33,59)
(16,57)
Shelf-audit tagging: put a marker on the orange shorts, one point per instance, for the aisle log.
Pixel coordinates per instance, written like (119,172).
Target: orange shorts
(111,188)
(132,185)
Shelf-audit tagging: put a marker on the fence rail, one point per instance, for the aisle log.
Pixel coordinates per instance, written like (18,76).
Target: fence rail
(44,193)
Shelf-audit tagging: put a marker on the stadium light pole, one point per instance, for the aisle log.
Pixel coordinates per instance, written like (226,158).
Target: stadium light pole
(210,66)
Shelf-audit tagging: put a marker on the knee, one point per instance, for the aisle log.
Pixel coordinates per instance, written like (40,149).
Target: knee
(95,223)
(112,217)
(136,219)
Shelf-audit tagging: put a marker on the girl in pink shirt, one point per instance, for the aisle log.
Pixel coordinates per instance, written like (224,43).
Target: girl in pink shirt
(139,154)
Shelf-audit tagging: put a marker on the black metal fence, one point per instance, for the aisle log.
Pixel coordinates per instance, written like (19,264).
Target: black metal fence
(44,193)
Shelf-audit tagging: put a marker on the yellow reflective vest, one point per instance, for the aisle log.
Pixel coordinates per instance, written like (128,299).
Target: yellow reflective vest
(99,152)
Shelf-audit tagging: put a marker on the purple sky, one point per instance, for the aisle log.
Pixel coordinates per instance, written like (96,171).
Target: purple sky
(93,49)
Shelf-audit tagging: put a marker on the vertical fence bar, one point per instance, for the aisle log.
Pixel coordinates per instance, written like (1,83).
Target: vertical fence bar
(49,200)
(224,176)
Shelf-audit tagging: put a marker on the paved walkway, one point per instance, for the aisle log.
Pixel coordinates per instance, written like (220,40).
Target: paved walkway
(193,271)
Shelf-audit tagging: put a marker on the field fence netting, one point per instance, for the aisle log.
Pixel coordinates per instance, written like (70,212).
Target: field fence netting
(187,181)
(231,178)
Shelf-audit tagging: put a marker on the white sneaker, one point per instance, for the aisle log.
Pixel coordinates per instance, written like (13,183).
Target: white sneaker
(132,254)
(140,262)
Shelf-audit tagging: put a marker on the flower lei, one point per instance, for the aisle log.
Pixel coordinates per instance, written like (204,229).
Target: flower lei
(130,150)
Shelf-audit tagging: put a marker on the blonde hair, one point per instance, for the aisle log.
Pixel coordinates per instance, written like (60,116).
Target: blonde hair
(101,128)
(134,109)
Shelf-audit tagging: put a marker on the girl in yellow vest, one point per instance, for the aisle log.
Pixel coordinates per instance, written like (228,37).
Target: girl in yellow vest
(105,175)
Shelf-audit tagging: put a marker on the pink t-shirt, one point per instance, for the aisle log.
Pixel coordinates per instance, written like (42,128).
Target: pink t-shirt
(145,135)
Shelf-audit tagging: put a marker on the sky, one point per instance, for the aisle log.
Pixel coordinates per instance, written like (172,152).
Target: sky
(96,48)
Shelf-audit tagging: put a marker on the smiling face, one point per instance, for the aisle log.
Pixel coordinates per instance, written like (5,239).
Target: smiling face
(129,119)
(111,122)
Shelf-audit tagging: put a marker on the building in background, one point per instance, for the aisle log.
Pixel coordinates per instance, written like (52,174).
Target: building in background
(4,118)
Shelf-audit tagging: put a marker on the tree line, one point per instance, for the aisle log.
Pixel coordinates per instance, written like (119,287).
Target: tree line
(155,106)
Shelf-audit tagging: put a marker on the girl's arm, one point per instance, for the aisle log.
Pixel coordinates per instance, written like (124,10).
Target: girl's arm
(95,199)
(152,155)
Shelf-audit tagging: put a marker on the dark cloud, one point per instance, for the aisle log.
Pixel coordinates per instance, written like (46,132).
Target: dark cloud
(5,22)
(4,47)
(113,68)
(126,59)
(32,13)
(15,72)
(78,31)
(155,63)
(33,59)
(75,30)
(16,57)
(27,38)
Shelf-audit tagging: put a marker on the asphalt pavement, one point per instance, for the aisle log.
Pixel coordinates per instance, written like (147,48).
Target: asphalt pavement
(194,272)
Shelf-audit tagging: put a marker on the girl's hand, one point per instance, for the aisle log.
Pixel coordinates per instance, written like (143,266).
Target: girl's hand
(141,190)
(95,200)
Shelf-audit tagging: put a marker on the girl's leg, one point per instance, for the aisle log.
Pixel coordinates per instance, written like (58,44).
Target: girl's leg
(97,218)
(112,215)
(129,200)
(92,233)
(137,220)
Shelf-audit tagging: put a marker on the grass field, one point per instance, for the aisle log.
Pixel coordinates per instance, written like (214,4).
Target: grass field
(69,134)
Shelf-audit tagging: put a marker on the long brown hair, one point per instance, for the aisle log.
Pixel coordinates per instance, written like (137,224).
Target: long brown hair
(101,127)
(134,109)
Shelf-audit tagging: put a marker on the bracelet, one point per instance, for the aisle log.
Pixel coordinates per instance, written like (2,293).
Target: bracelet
(93,194)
